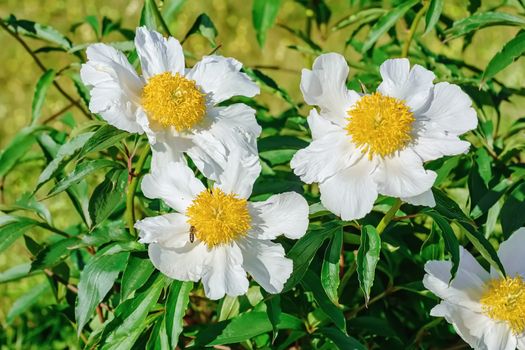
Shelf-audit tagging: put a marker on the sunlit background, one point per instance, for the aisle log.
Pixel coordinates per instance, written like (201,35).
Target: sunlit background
(18,73)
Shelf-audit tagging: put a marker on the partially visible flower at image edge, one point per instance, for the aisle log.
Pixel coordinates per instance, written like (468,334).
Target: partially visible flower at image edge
(364,145)
(176,107)
(216,235)
(486,309)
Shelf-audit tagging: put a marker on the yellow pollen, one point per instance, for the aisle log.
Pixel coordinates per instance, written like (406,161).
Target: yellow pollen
(380,125)
(504,300)
(173,100)
(218,218)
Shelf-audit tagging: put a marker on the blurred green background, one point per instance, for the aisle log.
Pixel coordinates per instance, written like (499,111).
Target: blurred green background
(232,18)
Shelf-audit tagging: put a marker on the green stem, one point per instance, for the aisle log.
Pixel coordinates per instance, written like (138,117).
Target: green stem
(388,216)
(132,188)
(413,28)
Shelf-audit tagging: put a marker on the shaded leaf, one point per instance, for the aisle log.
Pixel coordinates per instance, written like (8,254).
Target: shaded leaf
(264,13)
(482,20)
(204,26)
(330,269)
(433,13)
(512,50)
(367,258)
(39,97)
(176,306)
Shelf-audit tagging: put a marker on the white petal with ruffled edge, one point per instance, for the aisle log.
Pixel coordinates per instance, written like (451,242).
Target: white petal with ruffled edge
(158,54)
(426,199)
(410,85)
(325,86)
(221,78)
(324,157)
(175,184)
(266,262)
(351,192)
(281,214)
(170,230)
(115,87)
(223,273)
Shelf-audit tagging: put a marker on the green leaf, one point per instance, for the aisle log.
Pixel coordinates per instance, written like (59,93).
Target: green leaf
(264,13)
(39,97)
(482,20)
(304,251)
(204,26)
(105,137)
(23,303)
(17,148)
(269,84)
(53,254)
(312,282)
(367,258)
(362,16)
(243,327)
(508,54)
(27,201)
(451,241)
(170,8)
(147,16)
(511,215)
(12,230)
(433,13)
(280,142)
(39,31)
(483,246)
(96,280)
(176,306)
(108,195)
(274,311)
(123,330)
(81,171)
(330,269)
(15,273)
(386,22)
(137,272)
(62,156)
(341,340)
(483,160)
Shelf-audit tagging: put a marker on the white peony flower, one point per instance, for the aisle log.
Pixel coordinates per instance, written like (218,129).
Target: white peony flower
(487,310)
(175,107)
(365,145)
(216,235)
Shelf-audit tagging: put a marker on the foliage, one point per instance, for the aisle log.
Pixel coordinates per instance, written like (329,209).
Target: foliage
(355,285)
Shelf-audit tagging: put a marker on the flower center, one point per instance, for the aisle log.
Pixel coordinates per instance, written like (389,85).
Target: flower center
(504,300)
(380,125)
(218,218)
(173,100)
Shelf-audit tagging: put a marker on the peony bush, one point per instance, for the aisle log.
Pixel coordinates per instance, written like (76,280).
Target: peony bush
(376,204)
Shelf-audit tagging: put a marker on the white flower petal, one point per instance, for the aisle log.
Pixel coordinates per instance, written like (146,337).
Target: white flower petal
(499,337)
(450,110)
(470,326)
(115,87)
(266,262)
(410,85)
(324,157)
(521,342)
(511,255)
(425,199)
(223,273)
(221,78)
(325,86)
(241,169)
(435,144)
(175,183)
(234,117)
(169,230)
(403,175)
(320,126)
(183,264)
(351,192)
(163,153)
(281,214)
(466,289)
(158,54)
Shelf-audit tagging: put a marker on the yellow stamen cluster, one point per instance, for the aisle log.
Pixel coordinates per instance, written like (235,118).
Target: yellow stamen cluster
(218,218)
(504,300)
(380,125)
(173,100)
